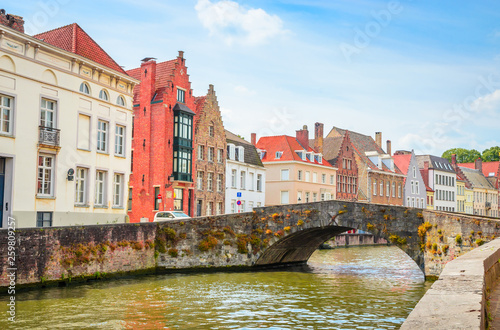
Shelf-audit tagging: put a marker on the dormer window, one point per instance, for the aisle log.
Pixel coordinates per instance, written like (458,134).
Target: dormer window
(319,158)
(279,154)
(231,151)
(103,95)
(262,154)
(84,88)
(240,154)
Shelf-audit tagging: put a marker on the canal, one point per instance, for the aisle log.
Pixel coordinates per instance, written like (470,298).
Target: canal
(345,288)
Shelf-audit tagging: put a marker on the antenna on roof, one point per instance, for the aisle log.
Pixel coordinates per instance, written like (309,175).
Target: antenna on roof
(147,59)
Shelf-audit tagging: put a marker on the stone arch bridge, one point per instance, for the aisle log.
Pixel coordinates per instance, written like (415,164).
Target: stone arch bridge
(266,237)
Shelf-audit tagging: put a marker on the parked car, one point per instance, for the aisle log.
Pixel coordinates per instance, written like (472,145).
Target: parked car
(170,215)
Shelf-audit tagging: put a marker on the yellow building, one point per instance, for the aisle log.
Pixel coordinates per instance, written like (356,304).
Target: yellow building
(485,196)
(65,137)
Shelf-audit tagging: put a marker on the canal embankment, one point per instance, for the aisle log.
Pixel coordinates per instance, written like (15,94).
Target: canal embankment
(459,298)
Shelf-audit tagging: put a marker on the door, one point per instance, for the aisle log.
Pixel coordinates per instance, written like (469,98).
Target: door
(2,189)
(190,203)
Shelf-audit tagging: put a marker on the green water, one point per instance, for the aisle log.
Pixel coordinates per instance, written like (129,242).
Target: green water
(354,288)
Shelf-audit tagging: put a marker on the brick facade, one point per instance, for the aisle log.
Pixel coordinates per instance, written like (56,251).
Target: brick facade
(12,21)
(154,141)
(210,164)
(347,173)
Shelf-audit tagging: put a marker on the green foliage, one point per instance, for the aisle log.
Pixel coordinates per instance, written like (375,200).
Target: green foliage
(491,154)
(463,155)
(458,239)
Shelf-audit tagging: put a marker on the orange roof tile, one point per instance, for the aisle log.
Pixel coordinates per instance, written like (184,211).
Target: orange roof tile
(402,162)
(163,72)
(488,167)
(286,144)
(73,39)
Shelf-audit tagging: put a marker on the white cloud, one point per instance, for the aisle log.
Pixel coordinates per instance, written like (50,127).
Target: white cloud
(236,24)
(243,90)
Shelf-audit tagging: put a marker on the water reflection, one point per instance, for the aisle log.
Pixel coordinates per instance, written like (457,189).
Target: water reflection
(355,288)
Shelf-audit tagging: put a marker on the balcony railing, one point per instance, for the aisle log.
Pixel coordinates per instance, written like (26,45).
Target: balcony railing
(49,136)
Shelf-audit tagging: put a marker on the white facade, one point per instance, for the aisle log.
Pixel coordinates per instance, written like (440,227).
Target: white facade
(245,182)
(66,153)
(444,184)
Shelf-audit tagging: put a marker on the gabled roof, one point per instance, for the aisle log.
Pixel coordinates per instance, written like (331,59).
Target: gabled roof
(331,148)
(73,38)
(402,162)
(288,145)
(362,144)
(163,72)
(251,156)
(476,178)
(488,168)
(436,163)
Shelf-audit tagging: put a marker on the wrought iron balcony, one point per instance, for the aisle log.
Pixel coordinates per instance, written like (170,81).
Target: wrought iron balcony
(49,136)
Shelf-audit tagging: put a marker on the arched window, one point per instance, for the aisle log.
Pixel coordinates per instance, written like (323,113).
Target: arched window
(103,95)
(120,101)
(84,88)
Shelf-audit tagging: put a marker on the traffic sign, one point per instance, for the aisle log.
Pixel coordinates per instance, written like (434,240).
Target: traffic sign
(238,202)
(238,194)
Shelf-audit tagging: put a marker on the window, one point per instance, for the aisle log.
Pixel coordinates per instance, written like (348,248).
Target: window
(279,154)
(210,181)
(284,175)
(322,196)
(120,140)
(220,179)
(332,180)
(299,175)
(103,95)
(299,196)
(118,190)
(183,133)
(129,204)
(210,155)
(211,130)
(315,197)
(81,186)
(45,175)
(374,187)
(157,200)
(102,136)
(308,176)
(210,207)
(284,197)
(252,179)
(181,95)
(399,190)
(199,180)
(394,189)
(100,185)
(250,206)
(233,206)
(259,182)
(414,172)
(84,88)
(412,187)
(387,189)
(417,190)
(323,178)
(242,179)
(315,177)
(120,101)
(219,208)
(6,114)
(178,199)
(241,207)
(44,219)
(220,156)
(381,188)
(233,178)
(201,152)
(307,197)
(48,114)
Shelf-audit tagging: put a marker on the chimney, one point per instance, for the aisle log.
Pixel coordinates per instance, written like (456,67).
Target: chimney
(453,160)
(181,54)
(478,164)
(389,151)
(378,139)
(302,136)
(12,21)
(211,90)
(318,137)
(148,80)
(254,138)
(426,165)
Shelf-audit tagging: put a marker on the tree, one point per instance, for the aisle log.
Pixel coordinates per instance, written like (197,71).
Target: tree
(463,155)
(491,154)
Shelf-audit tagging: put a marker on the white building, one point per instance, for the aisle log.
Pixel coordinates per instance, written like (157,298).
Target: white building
(245,176)
(442,179)
(66,125)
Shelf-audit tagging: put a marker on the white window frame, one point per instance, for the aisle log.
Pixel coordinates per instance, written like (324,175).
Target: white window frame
(210,181)
(102,136)
(81,186)
(41,182)
(100,188)
(210,154)
(282,194)
(85,88)
(120,140)
(243,179)
(10,110)
(45,110)
(199,180)
(118,189)
(285,174)
(234,173)
(259,182)
(220,156)
(220,179)
(103,95)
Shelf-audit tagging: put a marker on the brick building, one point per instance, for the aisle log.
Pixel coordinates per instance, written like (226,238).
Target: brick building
(338,151)
(379,179)
(210,145)
(163,153)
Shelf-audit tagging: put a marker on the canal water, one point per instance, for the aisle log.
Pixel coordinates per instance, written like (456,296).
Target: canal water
(345,288)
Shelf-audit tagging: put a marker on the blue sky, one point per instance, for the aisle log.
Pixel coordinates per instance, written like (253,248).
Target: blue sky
(424,73)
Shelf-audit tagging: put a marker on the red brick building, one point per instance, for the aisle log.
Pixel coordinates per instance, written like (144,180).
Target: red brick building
(210,144)
(163,153)
(339,152)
